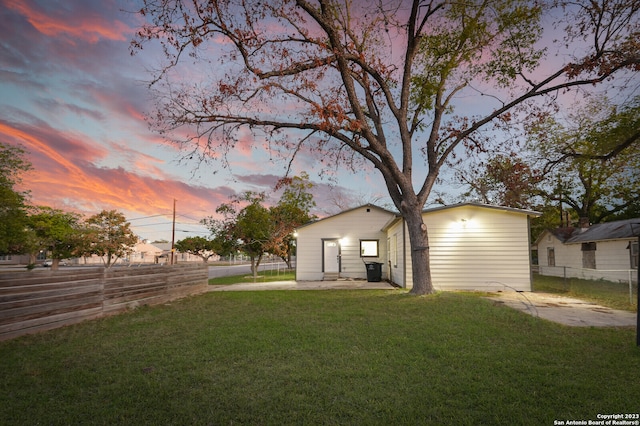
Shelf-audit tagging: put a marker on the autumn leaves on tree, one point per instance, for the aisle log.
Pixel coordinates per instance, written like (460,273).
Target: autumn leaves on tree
(409,86)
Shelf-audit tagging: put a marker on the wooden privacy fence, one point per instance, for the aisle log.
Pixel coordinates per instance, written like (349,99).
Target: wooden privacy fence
(38,300)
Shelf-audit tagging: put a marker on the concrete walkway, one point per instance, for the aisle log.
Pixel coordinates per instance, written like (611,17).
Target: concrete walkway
(565,310)
(305,285)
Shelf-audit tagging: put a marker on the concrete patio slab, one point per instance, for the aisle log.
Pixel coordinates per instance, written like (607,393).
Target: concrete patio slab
(306,285)
(566,310)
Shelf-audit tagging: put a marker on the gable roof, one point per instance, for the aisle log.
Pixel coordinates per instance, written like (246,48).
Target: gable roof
(147,247)
(347,211)
(620,229)
(398,216)
(481,205)
(562,234)
(393,220)
(163,246)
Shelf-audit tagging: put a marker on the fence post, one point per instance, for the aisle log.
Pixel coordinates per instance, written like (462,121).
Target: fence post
(103,279)
(638,304)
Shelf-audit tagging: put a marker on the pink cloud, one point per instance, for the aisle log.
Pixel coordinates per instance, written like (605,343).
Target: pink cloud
(65,176)
(77,24)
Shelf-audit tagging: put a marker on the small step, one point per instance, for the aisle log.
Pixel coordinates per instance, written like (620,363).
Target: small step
(331,276)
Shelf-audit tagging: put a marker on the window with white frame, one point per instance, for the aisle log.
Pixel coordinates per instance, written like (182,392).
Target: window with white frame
(369,248)
(633,252)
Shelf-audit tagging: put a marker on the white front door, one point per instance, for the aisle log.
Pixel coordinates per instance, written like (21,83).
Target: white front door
(331,250)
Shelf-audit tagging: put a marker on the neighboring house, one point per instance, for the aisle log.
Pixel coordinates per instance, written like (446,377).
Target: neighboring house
(602,251)
(19,259)
(472,247)
(142,253)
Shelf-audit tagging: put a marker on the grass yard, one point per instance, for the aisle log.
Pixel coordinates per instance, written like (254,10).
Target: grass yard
(263,276)
(319,357)
(606,293)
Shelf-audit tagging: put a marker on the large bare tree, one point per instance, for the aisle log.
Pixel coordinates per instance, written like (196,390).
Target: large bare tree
(405,85)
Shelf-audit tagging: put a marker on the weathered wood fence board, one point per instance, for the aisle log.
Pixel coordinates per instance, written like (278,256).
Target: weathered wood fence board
(33,301)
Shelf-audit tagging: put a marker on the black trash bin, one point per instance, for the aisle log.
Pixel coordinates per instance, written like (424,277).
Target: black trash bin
(374,271)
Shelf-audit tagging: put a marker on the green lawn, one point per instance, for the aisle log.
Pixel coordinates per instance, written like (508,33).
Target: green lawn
(606,293)
(319,357)
(263,276)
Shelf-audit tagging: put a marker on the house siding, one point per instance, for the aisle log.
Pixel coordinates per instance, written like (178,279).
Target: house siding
(564,255)
(396,262)
(613,254)
(613,261)
(349,227)
(489,250)
(477,248)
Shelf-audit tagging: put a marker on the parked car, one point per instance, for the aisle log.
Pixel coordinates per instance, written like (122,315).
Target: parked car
(49,262)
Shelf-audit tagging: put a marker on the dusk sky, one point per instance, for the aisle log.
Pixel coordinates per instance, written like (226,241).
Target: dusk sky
(73,96)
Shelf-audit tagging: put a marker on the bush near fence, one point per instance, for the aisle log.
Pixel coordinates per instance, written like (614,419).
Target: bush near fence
(39,300)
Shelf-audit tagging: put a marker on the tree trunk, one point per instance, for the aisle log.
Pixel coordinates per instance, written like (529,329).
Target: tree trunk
(419,246)
(254,267)
(288,259)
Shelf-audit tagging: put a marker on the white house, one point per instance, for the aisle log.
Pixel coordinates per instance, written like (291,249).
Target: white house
(339,245)
(141,253)
(602,251)
(472,246)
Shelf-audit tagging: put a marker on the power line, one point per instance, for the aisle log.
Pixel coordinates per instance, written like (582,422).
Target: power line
(146,217)
(152,224)
(168,223)
(189,217)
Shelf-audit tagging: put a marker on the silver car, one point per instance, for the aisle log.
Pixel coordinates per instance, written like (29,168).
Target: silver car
(49,262)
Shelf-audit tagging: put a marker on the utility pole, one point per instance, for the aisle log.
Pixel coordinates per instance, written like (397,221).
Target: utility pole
(173,231)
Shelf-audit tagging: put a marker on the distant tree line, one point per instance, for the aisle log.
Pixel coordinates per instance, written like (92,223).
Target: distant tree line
(31,230)
(246,224)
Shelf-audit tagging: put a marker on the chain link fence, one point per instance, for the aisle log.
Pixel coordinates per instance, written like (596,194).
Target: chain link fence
(614,280)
